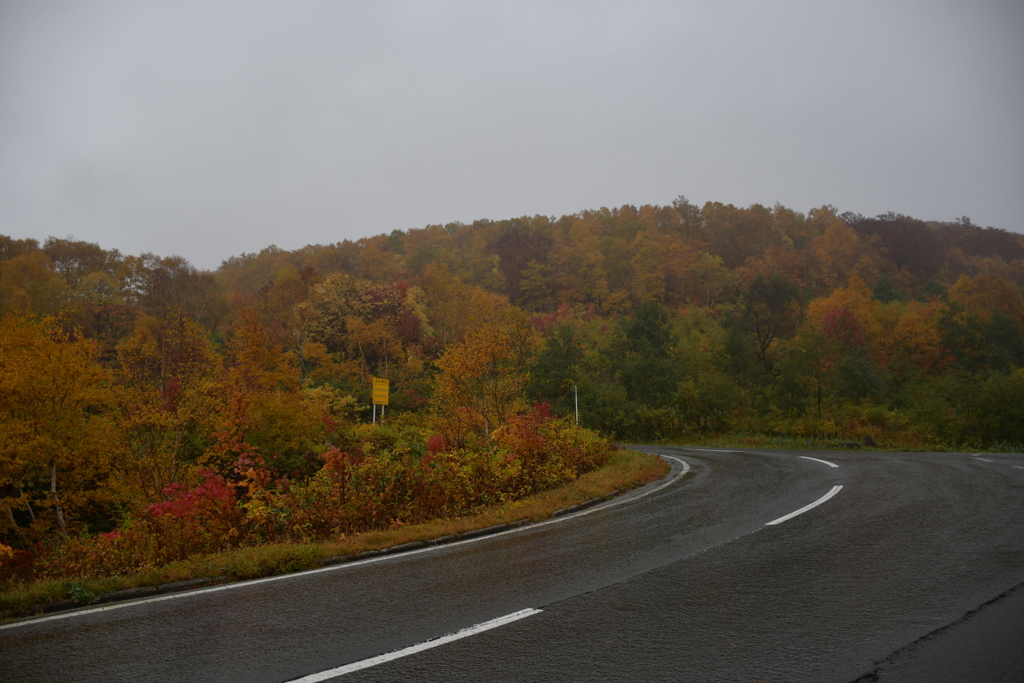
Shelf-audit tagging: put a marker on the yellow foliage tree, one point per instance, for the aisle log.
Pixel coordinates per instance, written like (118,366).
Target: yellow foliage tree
(169,401)
(482,380)
(917,337)
(455,308)
(579,272)
(987,293)
(648,269)
(29,284)
(56,444)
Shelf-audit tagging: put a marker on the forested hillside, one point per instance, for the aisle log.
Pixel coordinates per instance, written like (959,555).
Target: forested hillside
(147,406)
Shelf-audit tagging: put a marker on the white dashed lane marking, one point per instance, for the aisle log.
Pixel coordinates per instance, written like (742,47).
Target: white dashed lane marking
(791,515)
(413,649)
(830,464)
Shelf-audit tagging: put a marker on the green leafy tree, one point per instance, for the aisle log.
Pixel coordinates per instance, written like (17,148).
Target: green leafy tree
(559,366)
(645,360)
(771,312)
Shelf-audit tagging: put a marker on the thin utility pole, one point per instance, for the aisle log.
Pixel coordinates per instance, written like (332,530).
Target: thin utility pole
(576,397)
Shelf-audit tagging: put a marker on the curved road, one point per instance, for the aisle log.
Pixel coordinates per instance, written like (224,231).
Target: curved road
(677,582)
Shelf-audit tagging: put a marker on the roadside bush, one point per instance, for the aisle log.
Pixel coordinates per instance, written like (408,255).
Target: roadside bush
(385,477)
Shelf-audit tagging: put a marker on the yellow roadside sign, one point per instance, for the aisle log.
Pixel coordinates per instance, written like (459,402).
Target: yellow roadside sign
(380,391)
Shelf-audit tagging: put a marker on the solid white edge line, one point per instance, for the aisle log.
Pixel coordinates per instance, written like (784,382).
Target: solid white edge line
(830,464)
(791,515)
(413,649)
(347,565)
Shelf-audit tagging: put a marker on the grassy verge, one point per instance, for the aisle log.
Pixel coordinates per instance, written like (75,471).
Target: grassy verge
(626,469)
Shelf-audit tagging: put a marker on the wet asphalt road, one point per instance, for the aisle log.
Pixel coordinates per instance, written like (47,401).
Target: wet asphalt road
(685,584)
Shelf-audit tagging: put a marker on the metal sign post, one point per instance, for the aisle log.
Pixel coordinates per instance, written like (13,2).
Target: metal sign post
(576,397)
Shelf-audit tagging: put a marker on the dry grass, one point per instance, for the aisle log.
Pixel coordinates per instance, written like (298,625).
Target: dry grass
(625,470)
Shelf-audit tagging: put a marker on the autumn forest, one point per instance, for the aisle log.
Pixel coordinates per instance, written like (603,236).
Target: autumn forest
(150,410)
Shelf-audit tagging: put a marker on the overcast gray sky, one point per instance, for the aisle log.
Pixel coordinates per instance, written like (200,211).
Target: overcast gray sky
(208,129)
